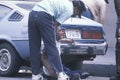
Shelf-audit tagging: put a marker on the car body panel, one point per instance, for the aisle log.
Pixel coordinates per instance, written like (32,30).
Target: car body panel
(84,46)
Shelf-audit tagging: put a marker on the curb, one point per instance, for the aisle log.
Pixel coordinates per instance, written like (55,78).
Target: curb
(100,69)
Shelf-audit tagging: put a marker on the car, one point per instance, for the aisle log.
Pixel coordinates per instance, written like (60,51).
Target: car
(82,38)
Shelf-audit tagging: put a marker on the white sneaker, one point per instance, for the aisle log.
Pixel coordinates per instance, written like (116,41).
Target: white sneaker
(37,77)
(63,76)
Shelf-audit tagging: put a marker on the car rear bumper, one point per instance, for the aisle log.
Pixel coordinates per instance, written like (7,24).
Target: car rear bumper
(83,49)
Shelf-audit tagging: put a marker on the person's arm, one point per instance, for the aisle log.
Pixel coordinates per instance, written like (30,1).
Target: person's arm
(56,24)
(64,16)
(102,13)
(65,12)
(47,65)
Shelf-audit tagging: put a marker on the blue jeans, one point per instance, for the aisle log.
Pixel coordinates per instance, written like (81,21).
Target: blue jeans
(40,26)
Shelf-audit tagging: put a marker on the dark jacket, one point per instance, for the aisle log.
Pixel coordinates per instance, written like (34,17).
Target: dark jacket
(117,7)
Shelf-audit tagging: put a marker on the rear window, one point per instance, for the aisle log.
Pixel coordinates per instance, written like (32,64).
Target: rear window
(26,6)
(4,10)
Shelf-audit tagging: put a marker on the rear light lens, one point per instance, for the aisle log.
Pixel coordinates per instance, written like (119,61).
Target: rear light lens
(86,34)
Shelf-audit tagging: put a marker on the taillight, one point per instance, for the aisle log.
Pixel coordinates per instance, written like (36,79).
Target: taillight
(86,34)
(62,33)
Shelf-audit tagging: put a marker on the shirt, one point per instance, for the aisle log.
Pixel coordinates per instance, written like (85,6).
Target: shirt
(60,9)
(98,9)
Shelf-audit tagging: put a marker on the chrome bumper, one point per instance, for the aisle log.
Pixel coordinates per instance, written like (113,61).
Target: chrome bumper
(83,49)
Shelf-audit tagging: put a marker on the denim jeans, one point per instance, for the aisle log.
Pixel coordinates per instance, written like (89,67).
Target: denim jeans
(117,51)
(40,27)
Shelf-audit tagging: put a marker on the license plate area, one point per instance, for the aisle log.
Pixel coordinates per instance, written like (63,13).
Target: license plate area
(73,33)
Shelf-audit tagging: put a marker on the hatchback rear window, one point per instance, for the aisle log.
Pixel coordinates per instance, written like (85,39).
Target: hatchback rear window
(4,10)
(26,6)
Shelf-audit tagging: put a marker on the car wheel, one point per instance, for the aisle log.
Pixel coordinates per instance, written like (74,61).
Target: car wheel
(9,60)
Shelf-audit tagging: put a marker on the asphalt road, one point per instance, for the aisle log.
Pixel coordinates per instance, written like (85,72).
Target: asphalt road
(28,77)
(90,78)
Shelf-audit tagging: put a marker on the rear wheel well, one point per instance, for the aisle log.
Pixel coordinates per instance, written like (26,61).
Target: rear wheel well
(4,41)
(9,60)
(24,62)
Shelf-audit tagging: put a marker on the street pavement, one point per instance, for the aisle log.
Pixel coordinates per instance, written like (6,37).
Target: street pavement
(90,78)
(103,66)
(96,78)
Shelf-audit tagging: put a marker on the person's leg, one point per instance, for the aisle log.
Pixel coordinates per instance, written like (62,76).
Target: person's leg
(117,54)
(118,58)
(34,44)
(49,39)
(47,69)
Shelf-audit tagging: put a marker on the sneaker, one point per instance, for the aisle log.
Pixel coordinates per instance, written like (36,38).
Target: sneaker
(63,76)
(37,77)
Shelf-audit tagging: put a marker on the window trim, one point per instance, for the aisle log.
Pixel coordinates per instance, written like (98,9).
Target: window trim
(16,19)
(7,7)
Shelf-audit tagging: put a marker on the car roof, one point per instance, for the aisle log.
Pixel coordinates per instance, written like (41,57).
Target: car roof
(82,21)
(13,3)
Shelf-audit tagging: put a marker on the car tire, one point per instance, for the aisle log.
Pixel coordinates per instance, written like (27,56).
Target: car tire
(9,60)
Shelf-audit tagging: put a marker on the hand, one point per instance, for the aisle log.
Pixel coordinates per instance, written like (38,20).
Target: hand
(56,25)
(58,37)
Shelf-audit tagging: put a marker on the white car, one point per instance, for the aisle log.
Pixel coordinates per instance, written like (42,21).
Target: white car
(83,38)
